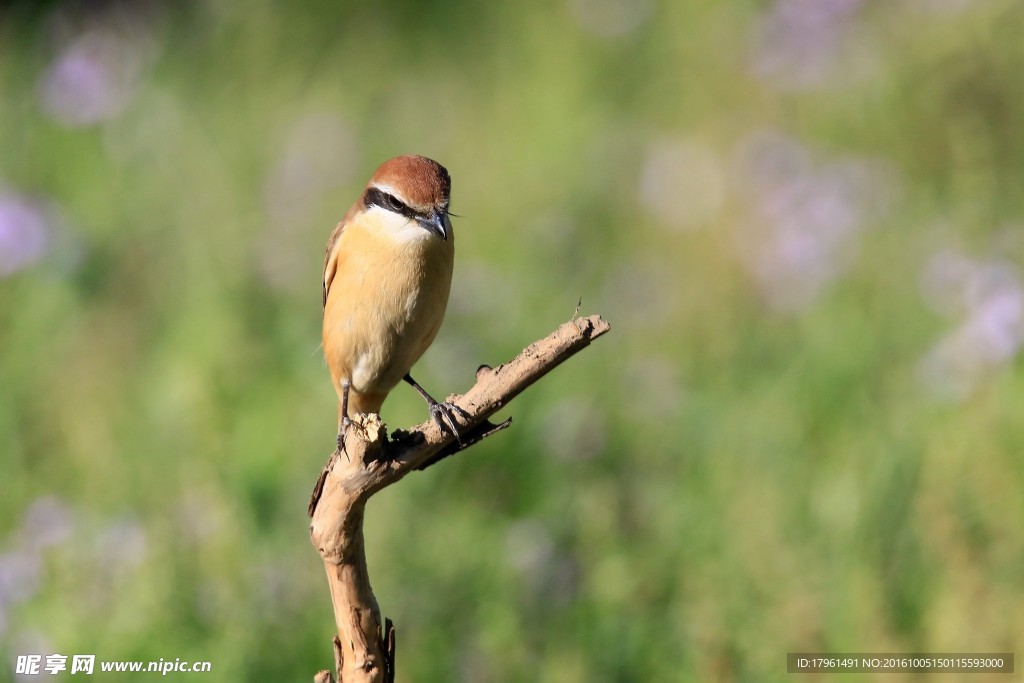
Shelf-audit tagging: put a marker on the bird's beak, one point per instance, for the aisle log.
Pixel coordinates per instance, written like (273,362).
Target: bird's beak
(437,223)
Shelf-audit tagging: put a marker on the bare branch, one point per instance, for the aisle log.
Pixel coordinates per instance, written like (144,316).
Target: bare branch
(364,647)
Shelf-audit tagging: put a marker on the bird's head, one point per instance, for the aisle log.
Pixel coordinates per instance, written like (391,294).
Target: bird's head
(414,187)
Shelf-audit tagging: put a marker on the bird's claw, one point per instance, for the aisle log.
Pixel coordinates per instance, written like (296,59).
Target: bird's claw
(444,416)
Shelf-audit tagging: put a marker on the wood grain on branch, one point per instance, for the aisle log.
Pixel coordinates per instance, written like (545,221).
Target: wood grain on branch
(364,646)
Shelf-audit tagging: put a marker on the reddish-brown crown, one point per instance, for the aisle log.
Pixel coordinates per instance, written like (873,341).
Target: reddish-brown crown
(420,182)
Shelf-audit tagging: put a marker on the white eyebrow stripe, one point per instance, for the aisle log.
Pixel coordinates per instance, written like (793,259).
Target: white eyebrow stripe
(388,189)
(393,192)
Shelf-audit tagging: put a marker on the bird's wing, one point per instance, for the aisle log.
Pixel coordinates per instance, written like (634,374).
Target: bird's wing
(331,257)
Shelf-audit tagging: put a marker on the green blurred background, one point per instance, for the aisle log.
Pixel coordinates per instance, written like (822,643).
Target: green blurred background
(803,219)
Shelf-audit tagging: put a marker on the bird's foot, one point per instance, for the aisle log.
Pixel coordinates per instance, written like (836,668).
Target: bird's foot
(444,416)
(342,430)
(442,413)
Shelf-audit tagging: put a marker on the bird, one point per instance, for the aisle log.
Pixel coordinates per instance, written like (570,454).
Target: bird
(386,282)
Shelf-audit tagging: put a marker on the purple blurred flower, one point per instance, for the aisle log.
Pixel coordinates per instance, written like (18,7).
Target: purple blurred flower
(48,522)
(811,220)
(94,78)
(987,300)
(798,41)
(804,216)
(320,155)
(19,576)
(25,233)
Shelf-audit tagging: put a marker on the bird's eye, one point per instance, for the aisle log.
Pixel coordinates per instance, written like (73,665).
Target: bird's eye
(377,197)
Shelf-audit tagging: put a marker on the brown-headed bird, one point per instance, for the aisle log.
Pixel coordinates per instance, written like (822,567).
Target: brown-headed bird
(387,275)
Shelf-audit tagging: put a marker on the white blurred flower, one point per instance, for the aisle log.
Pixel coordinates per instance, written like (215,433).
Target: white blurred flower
(122,545)
(611,18)
(682,183)
(944,280)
